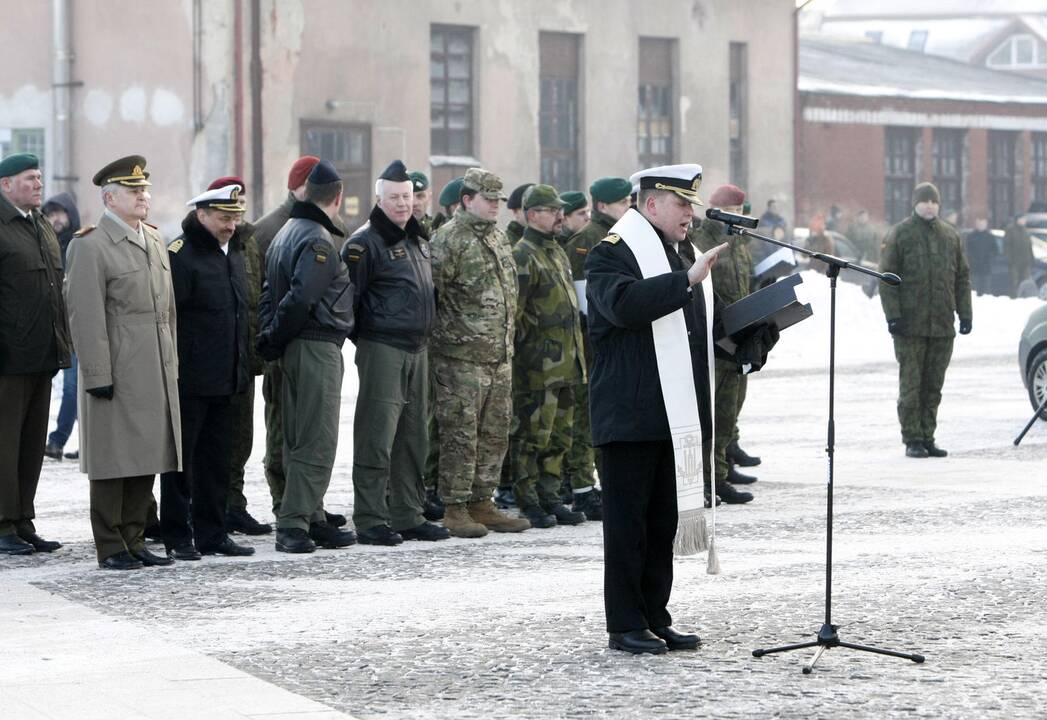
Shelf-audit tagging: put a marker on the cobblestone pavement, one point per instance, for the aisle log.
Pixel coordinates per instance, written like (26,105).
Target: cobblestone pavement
(942,557)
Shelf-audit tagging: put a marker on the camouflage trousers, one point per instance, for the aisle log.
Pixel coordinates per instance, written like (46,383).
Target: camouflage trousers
(730,394)
(579,459)
(473,411)
(538,441)
(922,362)
(243,440)
(272,388)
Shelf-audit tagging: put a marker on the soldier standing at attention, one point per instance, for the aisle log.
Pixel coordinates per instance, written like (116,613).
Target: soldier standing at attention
(610,199)
(731,282)
(422,197)
(34,345)
(575,215)
(395,309)
(304,316)
(547,365)
(122,315)
(210,286)
(515,229)
(450,198)
(929,257)
(471,356)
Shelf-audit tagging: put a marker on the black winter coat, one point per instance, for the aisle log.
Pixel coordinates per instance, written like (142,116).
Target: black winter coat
(395,300)
(625,393)
(211,298)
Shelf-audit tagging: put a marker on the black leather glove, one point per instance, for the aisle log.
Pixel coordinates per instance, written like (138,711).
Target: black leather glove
(894,326)
(104,393)
(965,327)
(266,349)
(753,350)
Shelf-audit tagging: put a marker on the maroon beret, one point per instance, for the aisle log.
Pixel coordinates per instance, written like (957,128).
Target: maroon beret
(300,171)
(727,196)
(226,182)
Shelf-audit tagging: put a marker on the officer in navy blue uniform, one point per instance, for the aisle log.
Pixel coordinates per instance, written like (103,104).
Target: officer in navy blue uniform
(211,297)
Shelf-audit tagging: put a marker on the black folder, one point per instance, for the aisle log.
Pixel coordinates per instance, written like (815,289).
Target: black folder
(775,303)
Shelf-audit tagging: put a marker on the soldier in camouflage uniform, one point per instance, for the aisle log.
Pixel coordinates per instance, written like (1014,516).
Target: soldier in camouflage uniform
(422,197)
(547,365)
(515,229)
(449,200)
(929,257)
(610,200)
(471,355)
(731,282)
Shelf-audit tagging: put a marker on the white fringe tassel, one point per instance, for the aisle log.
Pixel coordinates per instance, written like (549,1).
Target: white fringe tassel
(691,533)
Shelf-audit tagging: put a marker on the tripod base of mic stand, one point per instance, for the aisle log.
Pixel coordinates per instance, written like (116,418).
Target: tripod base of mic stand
(828,638)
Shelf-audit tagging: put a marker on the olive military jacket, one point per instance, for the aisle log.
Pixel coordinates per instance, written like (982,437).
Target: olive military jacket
(929,257)
(585,240)
(514,231)
(475,279)
(733,271)
(122,313)
(34,330)
(548,347)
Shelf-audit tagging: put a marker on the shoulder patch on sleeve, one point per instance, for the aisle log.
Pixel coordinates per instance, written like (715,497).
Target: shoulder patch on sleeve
(176,245)
(612,238)
(582,250)
(354,252)
(84,230)
(321,251)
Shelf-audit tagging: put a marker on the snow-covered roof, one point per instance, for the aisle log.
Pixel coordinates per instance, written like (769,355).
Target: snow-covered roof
(841,66)
(956,38)
(924,8)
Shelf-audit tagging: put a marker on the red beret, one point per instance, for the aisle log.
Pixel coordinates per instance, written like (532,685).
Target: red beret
(300,171)
(226,182)
(727,196)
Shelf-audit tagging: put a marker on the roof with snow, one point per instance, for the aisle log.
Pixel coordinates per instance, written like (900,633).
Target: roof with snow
(843,66)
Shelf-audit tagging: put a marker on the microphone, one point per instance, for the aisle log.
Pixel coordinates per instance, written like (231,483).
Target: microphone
(731,219)
(891,279)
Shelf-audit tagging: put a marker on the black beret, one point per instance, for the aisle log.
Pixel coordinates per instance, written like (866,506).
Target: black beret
(516,196)
(323,174)
(396,172)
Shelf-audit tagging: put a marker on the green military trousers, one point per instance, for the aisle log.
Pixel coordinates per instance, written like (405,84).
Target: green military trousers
(273,462)
(119,509)
(310,401)
(539,439)
(474,409)
(579,459)
(390,436)
(922,362)
(730,393)
(243,440)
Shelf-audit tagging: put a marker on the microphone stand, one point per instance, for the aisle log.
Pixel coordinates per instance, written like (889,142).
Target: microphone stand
(827,636)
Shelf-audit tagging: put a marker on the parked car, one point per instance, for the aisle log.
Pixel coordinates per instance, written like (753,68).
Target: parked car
(1032,357)
(1036,224)
(843,249)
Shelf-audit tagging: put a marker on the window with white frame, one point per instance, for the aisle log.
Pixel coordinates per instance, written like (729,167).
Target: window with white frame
(1017,51)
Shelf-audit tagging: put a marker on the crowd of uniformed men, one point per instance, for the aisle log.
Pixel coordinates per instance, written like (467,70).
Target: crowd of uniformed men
(471,348)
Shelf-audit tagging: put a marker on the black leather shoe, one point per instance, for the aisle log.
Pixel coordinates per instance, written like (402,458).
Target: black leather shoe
(74,455)
(916,450)
(150,559)
(504,498)
(736,478)
(434,506)
(676,640)
(123,560)
(239,520)
(932,450)
(741,458)
(379,535)
(731,496)
(565,515)
(538,517)
(335,520)
(329,537)
(294,540)
(39,544)
(590,504)
(637,642)
(226,546)
(14,545)
(53,451)
(184,552)
(426,531)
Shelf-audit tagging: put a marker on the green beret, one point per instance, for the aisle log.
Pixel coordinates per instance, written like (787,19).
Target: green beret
(419,180)
(575,201)
(542,196)
(610,189)
(452,193)
(926,192)
(17,163)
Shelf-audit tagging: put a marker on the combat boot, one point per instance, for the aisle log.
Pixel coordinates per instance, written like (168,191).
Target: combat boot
(916,450)
(739,457)
(460,523)
(730,495)
(736,478)
(590,503)
(565,515)
(933,450)
(433,509)
(485,513)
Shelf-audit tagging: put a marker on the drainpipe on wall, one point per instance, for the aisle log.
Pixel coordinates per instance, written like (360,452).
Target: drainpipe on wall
(238,88)
(62,84)
(257,156)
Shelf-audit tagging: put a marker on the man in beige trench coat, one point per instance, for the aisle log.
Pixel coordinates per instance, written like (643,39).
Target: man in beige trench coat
(122,318)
